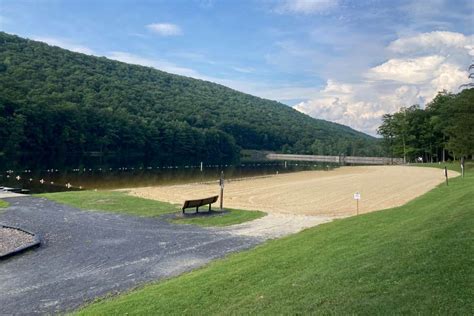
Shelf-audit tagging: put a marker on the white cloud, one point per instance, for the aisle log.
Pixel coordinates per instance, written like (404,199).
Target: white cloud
(409,70)
(153,62)
(165,29)
(439,42)
(245,70)
(438,13)
(333,86)
(335,104)
(447,77)
(421,66)
(66,44)
(305,6)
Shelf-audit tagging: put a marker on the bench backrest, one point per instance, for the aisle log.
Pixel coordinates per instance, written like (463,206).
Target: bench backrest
(200,202)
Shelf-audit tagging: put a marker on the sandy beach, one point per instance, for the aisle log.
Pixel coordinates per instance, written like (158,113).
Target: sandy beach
(316,193)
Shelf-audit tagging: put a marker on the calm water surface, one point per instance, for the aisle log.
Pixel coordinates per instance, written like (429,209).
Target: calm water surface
(113,177)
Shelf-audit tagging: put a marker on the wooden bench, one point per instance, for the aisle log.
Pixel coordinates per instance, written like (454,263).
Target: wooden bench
(200,202)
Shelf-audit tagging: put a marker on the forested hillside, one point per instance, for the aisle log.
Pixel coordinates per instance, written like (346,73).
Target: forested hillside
(57,102)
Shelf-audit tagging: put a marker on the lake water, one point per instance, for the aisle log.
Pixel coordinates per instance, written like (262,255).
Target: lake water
(113,177)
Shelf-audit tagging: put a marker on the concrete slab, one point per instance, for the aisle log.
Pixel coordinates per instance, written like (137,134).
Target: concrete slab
(6,194)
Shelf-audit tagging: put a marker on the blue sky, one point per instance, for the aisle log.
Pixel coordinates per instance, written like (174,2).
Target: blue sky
(344,61)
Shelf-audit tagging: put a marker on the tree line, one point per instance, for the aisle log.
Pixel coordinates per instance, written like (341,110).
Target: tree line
(443,130)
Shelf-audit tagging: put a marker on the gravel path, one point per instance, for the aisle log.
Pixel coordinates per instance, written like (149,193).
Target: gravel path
(276,225)
(11,239)
(85,254)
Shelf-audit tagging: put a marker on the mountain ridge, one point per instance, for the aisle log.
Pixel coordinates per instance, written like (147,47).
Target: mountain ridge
(89,103)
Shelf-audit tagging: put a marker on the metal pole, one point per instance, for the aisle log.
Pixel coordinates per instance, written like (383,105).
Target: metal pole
(201,171)
(357,207)
(446,174)
(222,190)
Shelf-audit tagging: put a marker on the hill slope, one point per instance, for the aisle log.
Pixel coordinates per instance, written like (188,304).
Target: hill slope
(55,101)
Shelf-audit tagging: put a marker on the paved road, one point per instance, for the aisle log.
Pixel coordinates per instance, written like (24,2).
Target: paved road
(89,254)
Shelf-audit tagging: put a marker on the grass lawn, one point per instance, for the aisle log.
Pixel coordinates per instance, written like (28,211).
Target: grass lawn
(417,259)
(112,201)
(224,219)
(121,202)
(455,166)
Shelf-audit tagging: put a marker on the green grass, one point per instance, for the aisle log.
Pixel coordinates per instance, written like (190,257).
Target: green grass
(3,204)
(225,219)
(415,259)
(121,202)
(455,166)
(112,201)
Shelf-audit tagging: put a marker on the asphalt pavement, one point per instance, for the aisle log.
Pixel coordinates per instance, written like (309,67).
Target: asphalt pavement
(90,254)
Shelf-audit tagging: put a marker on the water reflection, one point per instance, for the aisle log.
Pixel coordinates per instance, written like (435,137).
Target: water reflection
(106,177)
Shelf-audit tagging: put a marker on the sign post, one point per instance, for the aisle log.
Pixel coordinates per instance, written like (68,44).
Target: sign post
(221,183)
(201,171)
(357,198)
(446,174)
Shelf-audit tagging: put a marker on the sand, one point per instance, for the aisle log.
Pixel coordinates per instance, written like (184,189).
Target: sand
(295,201)
(276,225)
(326,193)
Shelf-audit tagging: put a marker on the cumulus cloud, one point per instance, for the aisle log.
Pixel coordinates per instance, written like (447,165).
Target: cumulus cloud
(165,29)
(336,104)
(410,70)
(438,41)
(420,67)
(336,87)
(305,6)
(63,43)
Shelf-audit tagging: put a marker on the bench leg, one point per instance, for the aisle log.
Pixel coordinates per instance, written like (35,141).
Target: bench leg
(183,210)
(209,207)
(197,209)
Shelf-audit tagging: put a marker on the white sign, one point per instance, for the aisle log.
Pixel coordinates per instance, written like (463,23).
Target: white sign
(357,196)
